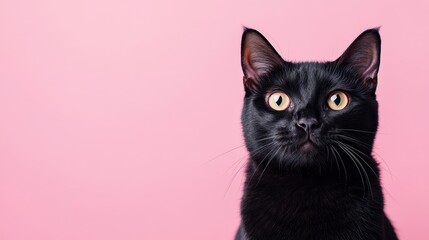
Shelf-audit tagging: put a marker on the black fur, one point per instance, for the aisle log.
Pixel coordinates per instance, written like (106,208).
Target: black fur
(329,189)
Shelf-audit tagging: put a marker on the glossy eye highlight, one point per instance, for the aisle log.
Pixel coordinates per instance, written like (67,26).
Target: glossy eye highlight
(338,100)
(278,101)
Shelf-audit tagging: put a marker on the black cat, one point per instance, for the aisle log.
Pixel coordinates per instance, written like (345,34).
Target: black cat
(309,128)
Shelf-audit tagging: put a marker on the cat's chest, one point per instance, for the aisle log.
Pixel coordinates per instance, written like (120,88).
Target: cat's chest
(306,209)
(297,201)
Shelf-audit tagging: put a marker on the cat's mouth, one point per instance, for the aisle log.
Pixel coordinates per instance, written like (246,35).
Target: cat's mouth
(307,144)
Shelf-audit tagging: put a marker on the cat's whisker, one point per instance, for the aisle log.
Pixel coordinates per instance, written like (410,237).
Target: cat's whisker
(335,157)
(224,153)
(351,139)
(238,147)
(261,148)
(233,178)
(352,149)
(237,163)
(255,170)
(384,161)
(335,152)
(265,138)
(355,152)
(356,165)
(353,157)
(355,130)
(366,146)
(283,154)
(266,166)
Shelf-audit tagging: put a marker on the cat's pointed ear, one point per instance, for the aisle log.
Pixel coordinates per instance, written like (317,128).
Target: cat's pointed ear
(363,57)
(258,57)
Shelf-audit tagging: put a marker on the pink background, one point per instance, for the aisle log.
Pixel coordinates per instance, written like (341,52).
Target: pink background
(111,111)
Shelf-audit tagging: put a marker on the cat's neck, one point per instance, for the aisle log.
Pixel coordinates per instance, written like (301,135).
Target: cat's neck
(348,172)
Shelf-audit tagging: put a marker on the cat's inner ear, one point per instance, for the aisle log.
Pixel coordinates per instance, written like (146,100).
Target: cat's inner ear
(363,57)
(258,57)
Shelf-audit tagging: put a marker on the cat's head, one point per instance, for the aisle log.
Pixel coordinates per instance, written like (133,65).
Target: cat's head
(296,114)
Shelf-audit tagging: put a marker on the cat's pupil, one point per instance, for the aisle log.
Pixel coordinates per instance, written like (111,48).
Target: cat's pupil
(279,100)
(336,99)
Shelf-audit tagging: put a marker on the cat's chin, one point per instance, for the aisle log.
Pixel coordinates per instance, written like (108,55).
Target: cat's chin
(307,147)
(305,151)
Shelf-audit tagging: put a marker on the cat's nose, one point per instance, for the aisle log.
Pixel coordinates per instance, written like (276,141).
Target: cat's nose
(308,124)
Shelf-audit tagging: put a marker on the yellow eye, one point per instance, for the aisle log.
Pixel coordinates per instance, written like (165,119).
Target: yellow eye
(278,101)
(338,100)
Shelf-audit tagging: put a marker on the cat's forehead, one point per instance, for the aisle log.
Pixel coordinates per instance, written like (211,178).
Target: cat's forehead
(308,77)
(309,73)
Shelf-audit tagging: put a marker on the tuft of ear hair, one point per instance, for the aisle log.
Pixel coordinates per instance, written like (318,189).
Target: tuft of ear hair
(362,57)
(258,57)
